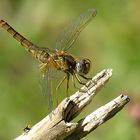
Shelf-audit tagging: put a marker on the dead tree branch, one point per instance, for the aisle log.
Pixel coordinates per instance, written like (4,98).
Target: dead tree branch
(57,125)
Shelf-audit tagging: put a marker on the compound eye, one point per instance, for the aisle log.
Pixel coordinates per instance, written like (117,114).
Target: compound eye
(87,64)
(79,67)
(82,66)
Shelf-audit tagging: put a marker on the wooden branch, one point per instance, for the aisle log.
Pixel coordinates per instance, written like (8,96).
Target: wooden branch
(98,117)
(57,126)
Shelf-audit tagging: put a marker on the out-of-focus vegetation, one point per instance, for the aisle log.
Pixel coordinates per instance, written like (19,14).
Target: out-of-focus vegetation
(112,39)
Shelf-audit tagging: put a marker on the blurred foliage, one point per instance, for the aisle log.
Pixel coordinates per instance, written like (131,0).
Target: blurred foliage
(112,39)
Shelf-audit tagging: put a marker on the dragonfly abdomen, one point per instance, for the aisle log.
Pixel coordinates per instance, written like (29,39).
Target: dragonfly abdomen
(24,42)
(40,53)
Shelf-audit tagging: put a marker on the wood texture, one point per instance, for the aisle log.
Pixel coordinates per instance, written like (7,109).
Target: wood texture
(57,125)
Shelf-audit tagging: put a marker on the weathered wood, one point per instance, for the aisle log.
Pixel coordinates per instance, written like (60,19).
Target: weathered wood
(57,125)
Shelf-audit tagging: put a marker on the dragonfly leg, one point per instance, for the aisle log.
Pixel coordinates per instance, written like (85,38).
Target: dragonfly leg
(79,80)
(87,78)
(58,86)
(68,77)
(73,81)
(82,83)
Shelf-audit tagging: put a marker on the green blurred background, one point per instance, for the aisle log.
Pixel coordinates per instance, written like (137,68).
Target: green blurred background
(111,40)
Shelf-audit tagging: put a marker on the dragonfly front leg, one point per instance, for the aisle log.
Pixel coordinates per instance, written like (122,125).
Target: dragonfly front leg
(87,78)
(79,80)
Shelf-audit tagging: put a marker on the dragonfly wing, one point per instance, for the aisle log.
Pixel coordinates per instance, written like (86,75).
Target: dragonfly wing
(48,83)
(45,83)
(72,31)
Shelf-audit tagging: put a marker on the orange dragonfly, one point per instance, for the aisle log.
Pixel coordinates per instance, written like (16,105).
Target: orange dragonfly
(58,59)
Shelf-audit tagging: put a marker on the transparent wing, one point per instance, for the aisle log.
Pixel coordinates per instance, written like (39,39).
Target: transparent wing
(48,82)
(46,88)
(72,31)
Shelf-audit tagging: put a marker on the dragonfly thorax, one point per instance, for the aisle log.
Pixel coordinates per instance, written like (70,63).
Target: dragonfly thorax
(82,66)
(62,61)
(67,63)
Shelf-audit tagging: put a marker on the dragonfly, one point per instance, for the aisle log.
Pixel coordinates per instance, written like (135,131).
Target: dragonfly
(59,58)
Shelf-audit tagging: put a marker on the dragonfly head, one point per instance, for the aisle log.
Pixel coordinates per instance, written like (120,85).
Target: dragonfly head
(83,66)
